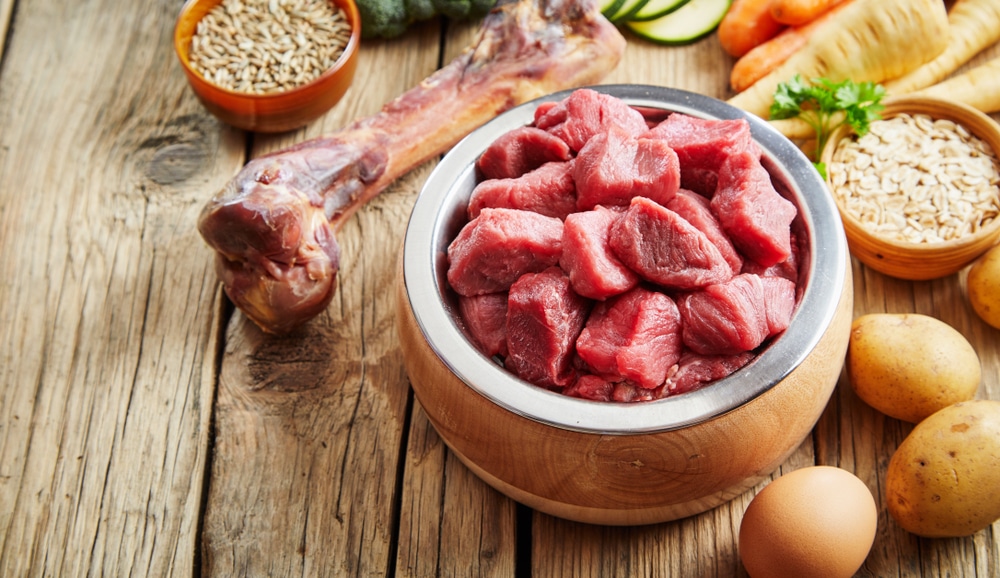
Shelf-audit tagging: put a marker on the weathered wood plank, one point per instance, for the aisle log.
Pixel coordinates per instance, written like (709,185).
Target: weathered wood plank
(309,427)
(107,296)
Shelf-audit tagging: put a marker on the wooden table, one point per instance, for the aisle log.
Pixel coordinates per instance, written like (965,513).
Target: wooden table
(146,429)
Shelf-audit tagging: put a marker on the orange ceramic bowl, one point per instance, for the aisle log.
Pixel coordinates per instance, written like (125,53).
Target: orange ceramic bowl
(275,112)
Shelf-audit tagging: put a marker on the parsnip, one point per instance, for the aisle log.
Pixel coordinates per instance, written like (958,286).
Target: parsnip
(974,25)
(868,40)
(978,87)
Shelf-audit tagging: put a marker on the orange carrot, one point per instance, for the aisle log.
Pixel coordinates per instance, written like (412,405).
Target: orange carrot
(747,24)
(799,12)
(865,41)
(763,58)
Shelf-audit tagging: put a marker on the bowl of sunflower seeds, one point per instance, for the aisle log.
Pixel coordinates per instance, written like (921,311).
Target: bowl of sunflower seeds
(919,193)
(268,65)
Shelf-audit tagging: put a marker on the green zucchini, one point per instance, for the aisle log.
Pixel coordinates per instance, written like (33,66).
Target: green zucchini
(626,10)
(690,23)
(610,7)
(656,8)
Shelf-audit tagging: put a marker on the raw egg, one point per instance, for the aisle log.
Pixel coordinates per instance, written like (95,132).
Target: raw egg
(816,521)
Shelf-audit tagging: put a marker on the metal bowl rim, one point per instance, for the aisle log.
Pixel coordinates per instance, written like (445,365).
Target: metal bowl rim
(422,257)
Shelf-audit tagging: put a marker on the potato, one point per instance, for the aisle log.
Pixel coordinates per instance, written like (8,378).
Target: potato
(908,366)
(944,479)
(983,286)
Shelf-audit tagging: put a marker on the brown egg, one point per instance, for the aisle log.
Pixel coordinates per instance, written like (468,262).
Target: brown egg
(816,521)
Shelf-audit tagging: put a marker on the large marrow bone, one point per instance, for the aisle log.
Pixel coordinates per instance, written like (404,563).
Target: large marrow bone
(273,224)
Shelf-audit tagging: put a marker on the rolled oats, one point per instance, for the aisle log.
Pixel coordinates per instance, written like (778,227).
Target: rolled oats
(916,179)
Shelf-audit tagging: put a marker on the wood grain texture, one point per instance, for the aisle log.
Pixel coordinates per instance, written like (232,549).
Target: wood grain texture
(145,430)
(308,427)
(107,334)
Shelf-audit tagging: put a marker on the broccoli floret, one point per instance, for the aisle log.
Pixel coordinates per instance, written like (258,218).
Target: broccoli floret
(481,8)
(420,10)
(389,18)
(457,9)
(383,18)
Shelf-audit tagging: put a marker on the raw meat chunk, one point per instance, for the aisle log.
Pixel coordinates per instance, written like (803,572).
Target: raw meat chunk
(590,387)
(544,318)
(586,112)
(596,388)
(519,151)
(753,214)
(485,318)
(695,210)
(614,167)
(547,190)
(635,336)
(702,145)
(594,271)
(694,371)
(725,318)
(779,303)
(663,248)
(500,245)
(788,269)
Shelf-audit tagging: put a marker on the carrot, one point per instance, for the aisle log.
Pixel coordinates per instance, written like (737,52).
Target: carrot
(866,41)
(746,24)
(764,58)
(799,12)
(978,87)
(974,25)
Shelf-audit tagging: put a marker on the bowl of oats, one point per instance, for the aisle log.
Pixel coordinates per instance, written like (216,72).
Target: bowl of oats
(268,65)
(919,193)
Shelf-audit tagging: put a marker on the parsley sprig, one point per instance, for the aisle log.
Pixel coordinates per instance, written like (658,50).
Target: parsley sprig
(818,103)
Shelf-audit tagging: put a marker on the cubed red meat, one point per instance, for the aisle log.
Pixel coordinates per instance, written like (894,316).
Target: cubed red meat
(548,190)
(695,210)
(494,249)
(590,387)
(788,269)
(519,151)
(753,214)
(586,112)
(725,318)
(614,167)
(665,249)
(485,318)
(635,336)
(544,319)
(702,145)
(594,271)
(779,303)
(693,371)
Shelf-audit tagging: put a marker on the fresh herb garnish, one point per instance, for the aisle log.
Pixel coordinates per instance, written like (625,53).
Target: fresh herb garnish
(818,103)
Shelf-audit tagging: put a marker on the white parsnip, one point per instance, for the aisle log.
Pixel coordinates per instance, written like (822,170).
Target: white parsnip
(974,25)
(867,41)
(978,87)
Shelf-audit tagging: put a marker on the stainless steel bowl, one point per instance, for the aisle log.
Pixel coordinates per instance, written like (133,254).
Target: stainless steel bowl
(440,211)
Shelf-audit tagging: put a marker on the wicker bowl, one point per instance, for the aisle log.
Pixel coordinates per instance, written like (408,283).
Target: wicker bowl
(918,260)
(271,112)
(610,463)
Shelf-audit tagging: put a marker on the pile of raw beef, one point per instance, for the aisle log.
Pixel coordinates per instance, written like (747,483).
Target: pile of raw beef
(614,257)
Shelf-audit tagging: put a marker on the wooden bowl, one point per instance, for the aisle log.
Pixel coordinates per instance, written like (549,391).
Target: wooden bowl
(908,260)
(272,112)
(610,463)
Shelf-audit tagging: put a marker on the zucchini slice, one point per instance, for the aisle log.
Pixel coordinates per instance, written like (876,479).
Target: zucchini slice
(656,8)
(690,23)
(610,7)
(626,10)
